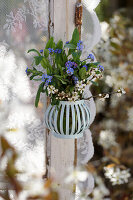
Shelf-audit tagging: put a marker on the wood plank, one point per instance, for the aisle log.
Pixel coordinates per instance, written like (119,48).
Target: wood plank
(62,150)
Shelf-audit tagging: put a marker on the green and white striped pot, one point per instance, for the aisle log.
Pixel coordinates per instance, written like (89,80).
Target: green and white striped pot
(69,120)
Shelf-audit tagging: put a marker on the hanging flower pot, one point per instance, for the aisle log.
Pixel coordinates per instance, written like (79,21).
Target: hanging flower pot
(64,77)
(69,120)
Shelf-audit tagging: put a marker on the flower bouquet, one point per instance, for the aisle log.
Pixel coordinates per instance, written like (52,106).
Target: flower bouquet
(64,81)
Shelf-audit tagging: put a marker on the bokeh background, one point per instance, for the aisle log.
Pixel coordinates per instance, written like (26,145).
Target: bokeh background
(113,126)
(112,164)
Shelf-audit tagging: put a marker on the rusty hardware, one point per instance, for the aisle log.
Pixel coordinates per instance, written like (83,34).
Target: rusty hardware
(78,14)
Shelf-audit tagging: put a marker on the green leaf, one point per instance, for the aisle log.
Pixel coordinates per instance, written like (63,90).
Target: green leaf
(70,46)
(32,76)
(46,91)
(37,79)
(59,45)
(75,37)
(96,63)
(46,53)
(82,73)
(38,94)
(29,71)
(84,63)
(61,69)
(92,65)
(43,63)
(50,43)
(34,50)
(94,83)
(46,65)
(76,56)
(38,59)
(71,88)
(49,67)
(55,101)
(60,79)
(98,72)
(34,68)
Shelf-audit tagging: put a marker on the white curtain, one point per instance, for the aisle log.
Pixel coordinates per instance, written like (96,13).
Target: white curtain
(23,26)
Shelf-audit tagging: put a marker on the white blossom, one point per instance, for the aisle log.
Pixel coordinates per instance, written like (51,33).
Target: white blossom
(20,116)
(100,191)
(104,28)
(109,80)
(76,175)
(116,175)
(80,86)
(93,73)
(107,139)
(103,96)
(51,89)
(34,187)
(120,92)
(109,124)
(74,97)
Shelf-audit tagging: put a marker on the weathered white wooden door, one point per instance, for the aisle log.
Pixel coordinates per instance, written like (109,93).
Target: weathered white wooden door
(62,151)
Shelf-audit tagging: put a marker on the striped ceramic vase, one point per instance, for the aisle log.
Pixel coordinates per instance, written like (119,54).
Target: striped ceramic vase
(69,120)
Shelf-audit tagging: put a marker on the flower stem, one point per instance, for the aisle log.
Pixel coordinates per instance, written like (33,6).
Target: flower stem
(110,93)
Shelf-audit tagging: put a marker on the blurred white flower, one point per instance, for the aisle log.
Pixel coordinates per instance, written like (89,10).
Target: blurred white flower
(109,80)
(76,175)
(32,163)
(20,116)
(8,68)
(97,194)
(109,124)
(130,119)
(116,175)
(100,105)
(104,28)
(21,87)
(4,91)
(3,49)
(114,101)
(130,56)
(107,139)
(120,92)
(100,191)
(33,187)
(130,30)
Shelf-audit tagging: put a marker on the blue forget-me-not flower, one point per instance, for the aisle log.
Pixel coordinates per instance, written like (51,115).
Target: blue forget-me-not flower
(71,64)
(100,67)
(51,50)
(70,71)
(26,70)
(47,79)
(75,79)
(91,56)
(41,51)
(57,50)
(85,67)
(80,45)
